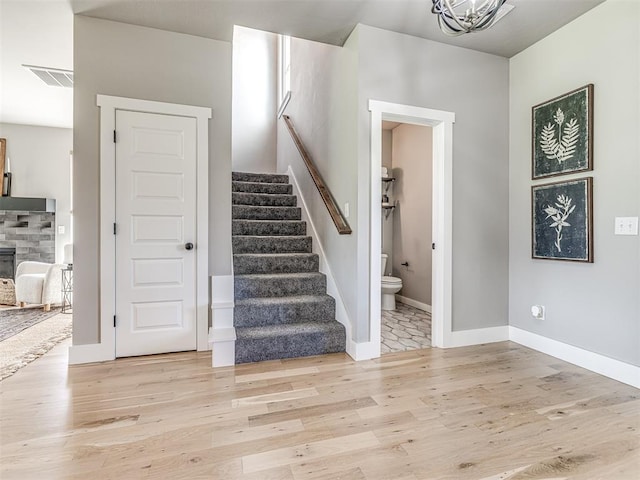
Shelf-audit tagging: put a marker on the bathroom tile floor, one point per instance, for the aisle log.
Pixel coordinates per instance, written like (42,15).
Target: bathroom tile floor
(405,328)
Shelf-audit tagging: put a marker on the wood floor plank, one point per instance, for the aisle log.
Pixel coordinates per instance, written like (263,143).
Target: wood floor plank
(275,374)
(490,412)
(308,451)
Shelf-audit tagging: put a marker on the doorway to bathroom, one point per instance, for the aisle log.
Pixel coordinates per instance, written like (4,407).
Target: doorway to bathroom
(441,123)
(406,236)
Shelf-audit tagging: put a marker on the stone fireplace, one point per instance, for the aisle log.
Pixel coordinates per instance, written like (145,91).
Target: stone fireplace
(27,225)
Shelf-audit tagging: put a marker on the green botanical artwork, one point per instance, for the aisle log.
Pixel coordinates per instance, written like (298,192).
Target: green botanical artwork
(562,220)
(563,134)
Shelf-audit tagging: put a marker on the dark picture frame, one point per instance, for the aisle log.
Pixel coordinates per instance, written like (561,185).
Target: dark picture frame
(562,220)
(3,154)
(562,134)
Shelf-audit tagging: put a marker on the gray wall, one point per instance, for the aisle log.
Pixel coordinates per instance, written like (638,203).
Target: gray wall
(408,70)
(322,107)
(591,306)
(331,88)
(413,171)
(117,59)
(255,82)
(40,163)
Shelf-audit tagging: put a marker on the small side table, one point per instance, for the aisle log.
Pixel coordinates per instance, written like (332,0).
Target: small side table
(67,289)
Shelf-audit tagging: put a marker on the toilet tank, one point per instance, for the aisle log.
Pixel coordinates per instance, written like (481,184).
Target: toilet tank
(383,265)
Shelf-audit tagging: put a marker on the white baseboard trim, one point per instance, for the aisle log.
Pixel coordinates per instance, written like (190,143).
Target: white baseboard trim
(222,342)
(362,350)
(413,303)
(332,288)
(478,336)
(222,334)
(609,367)
(90,353)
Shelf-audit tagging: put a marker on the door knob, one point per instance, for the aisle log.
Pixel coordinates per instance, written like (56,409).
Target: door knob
(188,246)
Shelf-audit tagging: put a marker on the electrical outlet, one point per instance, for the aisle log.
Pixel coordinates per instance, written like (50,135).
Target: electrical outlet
(626,226)
(61,229)
(537,311)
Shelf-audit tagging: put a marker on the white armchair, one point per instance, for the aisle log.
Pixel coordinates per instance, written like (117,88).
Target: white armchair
(39,283)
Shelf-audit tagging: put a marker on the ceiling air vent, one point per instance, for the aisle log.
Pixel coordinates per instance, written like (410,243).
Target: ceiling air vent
(54,77)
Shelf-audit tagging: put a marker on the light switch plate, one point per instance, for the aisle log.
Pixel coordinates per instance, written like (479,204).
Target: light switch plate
(626,226)
(61,229)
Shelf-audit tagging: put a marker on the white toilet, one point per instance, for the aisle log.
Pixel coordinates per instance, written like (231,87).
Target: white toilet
(390,286)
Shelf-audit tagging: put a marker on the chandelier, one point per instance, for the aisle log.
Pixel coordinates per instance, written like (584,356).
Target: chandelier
(456,17)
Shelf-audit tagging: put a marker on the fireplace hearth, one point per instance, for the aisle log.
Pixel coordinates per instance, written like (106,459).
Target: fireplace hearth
(7,263)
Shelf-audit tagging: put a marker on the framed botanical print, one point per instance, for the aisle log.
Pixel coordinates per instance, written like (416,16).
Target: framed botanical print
(562,220)
(562,134)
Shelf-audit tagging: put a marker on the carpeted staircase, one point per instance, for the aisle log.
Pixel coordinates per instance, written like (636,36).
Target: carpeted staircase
(282,309)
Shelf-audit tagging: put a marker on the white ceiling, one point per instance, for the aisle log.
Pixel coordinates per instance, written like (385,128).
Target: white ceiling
(35,33)
(41,33)
(331,21)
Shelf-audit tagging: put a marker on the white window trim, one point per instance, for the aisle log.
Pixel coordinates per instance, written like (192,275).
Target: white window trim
(284,73)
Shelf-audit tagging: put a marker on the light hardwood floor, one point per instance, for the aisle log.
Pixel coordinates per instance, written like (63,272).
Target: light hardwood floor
(492,412)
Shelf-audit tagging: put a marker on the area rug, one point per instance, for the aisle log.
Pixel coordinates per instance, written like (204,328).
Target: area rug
(15,320)
(30,344)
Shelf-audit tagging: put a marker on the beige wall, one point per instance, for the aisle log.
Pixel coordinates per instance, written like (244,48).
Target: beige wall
(412,169)
(113,58)
(387,222)
(40,164)
(387,142)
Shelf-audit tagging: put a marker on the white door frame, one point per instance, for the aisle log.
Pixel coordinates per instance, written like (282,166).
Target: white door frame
(442,124)
(108,106)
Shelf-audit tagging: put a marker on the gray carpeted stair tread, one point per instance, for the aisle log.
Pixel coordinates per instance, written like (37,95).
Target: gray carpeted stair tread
(259,177)
(281,308)
(268,227)
(262,187)
(255,344)
(271,244)
(280,284)
(254,312)
(275,263)
(248,212)
(271,330)
(286,300)
(263,199)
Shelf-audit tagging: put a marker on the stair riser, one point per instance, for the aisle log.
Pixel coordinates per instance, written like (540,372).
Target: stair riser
(263,200)
(289,346)
(279,287)
(243,227)
(257,187)
(259,177)
(259,316)
(271,244)
(265,213)
(275,264)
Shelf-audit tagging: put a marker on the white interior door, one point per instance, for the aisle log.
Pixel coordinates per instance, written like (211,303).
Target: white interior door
(155,233)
